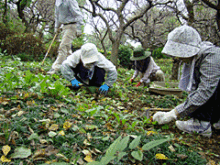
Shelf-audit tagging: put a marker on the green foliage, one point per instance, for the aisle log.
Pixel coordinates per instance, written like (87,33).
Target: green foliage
(157,53)
(116,149)
(124,55)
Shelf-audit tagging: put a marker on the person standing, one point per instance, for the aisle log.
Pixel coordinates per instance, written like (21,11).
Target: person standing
(68,14)
(200,77)
(89,67)
(144,64)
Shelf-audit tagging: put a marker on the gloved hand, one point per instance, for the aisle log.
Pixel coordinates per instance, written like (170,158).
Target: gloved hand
(75,83)
(165,117)
(131,80)
(104,89)
(138,84)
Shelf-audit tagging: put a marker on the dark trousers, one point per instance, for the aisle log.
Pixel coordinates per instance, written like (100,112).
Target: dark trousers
(81,74)
(210,111)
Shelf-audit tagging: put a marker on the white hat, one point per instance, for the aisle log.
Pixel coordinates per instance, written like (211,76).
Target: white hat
(182,42)
(89,53)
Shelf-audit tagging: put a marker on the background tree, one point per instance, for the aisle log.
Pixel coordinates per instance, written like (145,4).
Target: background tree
(117,17)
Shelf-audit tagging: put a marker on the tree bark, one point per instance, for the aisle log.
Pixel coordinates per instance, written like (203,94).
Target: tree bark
(4,16)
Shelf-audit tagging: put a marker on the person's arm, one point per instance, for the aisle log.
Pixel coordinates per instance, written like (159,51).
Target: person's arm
(209,79)
(148,71)
(109,68)
(75,11)
(57,23)
(70,62)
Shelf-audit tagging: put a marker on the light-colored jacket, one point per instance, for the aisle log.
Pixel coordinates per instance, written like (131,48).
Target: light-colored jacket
(67,11)
(205,80)
(75,58)
(152,67)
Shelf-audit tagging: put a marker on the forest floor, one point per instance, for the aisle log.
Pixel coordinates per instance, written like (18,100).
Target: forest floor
(43,121)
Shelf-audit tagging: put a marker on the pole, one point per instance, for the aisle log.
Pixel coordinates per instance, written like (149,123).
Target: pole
(49,48)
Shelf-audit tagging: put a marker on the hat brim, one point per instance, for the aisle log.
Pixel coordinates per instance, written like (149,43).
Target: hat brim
(176,49)
(147,54)
(89,60)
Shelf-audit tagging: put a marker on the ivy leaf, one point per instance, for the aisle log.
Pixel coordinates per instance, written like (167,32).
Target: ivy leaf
(137,155)
(6,149)
(135,142)
(124,143)
(21,152)
(154,143)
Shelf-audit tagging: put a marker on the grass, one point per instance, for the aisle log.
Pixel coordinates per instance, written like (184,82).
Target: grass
(40,113)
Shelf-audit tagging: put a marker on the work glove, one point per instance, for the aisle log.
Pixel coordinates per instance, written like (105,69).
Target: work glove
(104,89)
(138,84)
(75,83)
(165,117)
(131,80)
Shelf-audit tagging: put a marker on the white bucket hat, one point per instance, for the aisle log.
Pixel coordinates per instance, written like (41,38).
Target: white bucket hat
(182,42)
(89,53)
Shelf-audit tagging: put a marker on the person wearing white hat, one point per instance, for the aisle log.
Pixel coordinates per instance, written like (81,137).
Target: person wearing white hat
(144,64)
(88,66)
(68,14)
(200,77)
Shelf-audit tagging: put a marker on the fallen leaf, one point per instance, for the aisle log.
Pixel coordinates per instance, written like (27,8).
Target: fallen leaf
(161,157)
(211,162)
(21,152)
(62,133)
(43,141)
(52,134)
(61,156)
(86,142)
(151,132)
(53,127)
(39,153)
(171,148)
(20,113)
(89,136)
(6,149)
(4,159)
(67,125)
(88,158)
(181,156)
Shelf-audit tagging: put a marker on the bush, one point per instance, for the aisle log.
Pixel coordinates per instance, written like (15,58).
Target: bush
(124,55)
(157,53)
(24,44)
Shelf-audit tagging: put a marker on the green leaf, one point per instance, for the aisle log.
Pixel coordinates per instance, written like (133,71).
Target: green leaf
(106,159)
(124,143)
(113,147)
(33,136)
(135,142)
(121,154)
(21,152)
(154,143)
(94,163)
(137,155)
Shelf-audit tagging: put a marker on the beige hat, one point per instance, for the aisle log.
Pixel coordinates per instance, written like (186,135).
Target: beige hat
(89,53)
(182,42)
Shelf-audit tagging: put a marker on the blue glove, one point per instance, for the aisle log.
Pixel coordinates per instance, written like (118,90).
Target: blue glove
(104,89)
(75,83)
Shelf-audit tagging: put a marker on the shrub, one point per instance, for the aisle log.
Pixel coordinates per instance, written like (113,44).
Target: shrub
(124,55)
(157,53)
(23,44)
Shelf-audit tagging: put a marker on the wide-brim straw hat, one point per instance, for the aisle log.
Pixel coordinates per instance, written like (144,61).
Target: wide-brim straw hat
(140,54)
(182,42)
(89,53)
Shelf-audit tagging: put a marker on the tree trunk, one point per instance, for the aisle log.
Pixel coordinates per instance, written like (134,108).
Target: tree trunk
(4,16)
(114,55)
(175,69)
